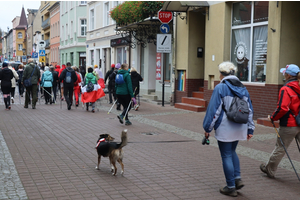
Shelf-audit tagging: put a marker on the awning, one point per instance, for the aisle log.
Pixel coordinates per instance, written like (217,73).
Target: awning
(183,6)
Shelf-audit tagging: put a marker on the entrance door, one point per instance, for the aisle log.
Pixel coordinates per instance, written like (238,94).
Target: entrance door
(82,61)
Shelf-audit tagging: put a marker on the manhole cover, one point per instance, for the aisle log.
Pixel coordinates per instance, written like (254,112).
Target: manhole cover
(150,133)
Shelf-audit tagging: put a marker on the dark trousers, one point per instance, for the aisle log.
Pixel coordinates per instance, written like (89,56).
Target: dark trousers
(54,92)
(6,95)
(47,93)
(21,89)
(68,93)
(125,100)
(32,90)
(12,92)
(112,92)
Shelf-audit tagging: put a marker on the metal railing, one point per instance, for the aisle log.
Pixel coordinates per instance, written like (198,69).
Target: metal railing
(46,23)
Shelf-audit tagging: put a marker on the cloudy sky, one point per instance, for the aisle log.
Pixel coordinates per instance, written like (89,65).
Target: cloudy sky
(10,9)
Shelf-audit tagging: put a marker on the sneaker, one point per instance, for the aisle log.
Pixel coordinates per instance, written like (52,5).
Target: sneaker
(69,106)
(229,191)
(25,106)
(264,170)
(120,117)
(12,100)
(93,110)
(127,123)
(239,184)
(136,107)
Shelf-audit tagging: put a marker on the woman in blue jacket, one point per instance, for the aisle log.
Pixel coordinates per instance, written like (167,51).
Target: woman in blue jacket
(47,83)
(228,133)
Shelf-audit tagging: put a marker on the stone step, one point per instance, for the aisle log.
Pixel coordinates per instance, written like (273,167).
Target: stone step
(150,96)
(266,122)
(198,95)
(190,107)
(194,101)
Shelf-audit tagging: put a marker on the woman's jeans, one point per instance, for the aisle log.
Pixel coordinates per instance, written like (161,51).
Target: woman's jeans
(231,163)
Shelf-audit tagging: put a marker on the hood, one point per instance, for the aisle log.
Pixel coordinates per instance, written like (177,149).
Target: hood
(57,67)
(63,66)
(235,86)
(134,74)
(90,76)
(122,71)
(294,84)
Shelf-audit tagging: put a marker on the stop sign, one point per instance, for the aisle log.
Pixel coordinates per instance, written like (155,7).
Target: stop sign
(165,16)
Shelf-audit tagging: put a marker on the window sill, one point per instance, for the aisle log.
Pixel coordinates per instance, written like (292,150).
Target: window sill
(254,84)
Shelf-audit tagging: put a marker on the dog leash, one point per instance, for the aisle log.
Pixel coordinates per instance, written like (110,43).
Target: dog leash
(101,140)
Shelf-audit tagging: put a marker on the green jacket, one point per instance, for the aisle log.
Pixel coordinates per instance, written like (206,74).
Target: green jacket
(90,77)
(125,88)
(36,74)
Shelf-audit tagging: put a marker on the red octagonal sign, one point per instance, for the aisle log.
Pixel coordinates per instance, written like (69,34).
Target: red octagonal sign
(165,16)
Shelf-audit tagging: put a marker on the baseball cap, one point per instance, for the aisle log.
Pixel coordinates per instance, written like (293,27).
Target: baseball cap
(290,69)
(112,65)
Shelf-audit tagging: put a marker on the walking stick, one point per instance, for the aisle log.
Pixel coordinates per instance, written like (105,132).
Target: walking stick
(297,144)
(284,147)
(48,92)
(112,106)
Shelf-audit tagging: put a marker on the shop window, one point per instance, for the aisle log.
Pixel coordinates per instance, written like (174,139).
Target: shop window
(249,40)
(181,80)
(121,55)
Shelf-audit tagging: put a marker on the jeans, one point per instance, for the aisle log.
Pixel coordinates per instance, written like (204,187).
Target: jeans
(231,163)
(68,93)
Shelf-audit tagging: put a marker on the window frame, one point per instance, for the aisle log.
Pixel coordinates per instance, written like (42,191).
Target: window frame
(92,20)
(20,45)
(21,35)
(106,13)
(83,26)
(251,25)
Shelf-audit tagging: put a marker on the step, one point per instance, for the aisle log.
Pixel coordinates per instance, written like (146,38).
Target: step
(190,107)
(198,95)
(266,122)
(150,96)
(201,89)
(194,101)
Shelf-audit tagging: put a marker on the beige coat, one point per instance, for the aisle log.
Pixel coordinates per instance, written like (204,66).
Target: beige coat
(16,77)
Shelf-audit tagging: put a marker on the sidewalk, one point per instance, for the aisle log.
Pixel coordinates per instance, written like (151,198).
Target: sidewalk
(54,157)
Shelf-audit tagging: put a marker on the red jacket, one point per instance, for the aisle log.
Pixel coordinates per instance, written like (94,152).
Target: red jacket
(288,104)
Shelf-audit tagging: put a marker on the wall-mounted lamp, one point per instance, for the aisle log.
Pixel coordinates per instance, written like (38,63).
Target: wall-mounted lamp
(273,30)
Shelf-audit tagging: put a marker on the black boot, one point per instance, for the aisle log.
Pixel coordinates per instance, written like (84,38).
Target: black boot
(118,106)
(8,102)
(5,101)
(87,106)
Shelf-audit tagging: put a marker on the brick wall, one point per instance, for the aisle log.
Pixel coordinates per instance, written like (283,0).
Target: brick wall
(191,85)
(264,98)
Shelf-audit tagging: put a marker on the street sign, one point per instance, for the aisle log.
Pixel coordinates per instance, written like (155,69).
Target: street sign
(164,28)
(165,16)
(163,43)
(24,58)
(42,59)
(35,55)
(42,53)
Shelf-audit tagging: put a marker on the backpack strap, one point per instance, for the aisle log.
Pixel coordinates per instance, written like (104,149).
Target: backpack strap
(297,95)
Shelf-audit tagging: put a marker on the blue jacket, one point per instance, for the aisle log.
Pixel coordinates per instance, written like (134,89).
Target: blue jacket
(215,118)
(47,79)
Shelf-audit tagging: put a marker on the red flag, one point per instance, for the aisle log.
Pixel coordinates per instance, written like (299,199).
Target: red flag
(93,96)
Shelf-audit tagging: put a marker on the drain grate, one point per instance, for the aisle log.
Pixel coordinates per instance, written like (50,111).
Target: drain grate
(150,133)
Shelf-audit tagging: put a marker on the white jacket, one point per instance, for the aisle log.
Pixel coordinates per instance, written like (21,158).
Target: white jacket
(16,77)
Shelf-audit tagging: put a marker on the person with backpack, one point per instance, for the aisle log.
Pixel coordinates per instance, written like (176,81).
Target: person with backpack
(110,75)
(90,80)
(229,130)
(124,92)
(288,107)
(32,75)
(112,81)
(69,77)
(135,79)
(46,84)
(6,75)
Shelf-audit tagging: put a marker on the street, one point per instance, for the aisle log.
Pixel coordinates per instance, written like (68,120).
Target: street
(49,153)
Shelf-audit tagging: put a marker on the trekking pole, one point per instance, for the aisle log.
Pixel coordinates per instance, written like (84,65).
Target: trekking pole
(48,92)
(297,144)
(112,106)
(127,109)
(284,147)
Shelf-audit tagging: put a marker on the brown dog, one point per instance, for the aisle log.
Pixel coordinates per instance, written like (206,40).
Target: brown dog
(112,150)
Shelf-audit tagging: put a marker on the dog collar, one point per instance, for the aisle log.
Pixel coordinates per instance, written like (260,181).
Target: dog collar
(101,140)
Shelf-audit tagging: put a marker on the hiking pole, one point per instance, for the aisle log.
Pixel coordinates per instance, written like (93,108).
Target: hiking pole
(284,147)
(297,144)
(127,109)
(112,106)
(48,92)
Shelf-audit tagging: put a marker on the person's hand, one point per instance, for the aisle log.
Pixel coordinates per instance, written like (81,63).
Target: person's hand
(249,136)
(269,117)
(206,135)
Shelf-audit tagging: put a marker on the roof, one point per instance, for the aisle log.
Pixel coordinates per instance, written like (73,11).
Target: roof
(23,20)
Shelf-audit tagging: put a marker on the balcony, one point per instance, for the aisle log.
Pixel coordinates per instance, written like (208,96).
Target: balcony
(46,23)
(47,43)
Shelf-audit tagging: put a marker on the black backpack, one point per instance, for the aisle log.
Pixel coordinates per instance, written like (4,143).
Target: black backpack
(90,86)
(238,111)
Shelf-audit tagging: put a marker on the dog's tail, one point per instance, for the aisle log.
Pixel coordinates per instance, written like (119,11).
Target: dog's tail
(123,139)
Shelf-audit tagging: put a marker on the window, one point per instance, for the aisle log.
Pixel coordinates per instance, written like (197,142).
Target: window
(83,2)
(71,33)
(83,27)
(42,37)
(62,35)
(106,14)
(116,3)
(92,57)
(20,47)
(66,32)
(249,40)
(20,35)
(121,55)
(91,19)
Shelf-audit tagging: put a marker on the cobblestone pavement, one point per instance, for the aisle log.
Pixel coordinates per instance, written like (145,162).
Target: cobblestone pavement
(49,153)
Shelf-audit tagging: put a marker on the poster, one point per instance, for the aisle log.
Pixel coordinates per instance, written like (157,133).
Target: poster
(158,66)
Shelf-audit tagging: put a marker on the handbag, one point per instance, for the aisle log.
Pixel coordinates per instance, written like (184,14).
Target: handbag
(27,82)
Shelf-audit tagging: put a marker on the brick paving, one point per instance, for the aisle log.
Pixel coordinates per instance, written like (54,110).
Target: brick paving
(52,156)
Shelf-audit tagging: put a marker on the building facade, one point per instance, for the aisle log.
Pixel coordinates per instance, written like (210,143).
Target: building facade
(21,36)
(72,36)
(55,33)
(15,23)
(32,13)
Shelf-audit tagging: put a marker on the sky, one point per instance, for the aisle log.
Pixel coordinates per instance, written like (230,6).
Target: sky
(10,9)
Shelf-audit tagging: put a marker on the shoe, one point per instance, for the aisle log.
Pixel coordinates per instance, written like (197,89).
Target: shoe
(110,103)
(229,191)
(120,117)
(69,106)
(33,106)
(12,100)
(93,110)
(77,104)
(264,170)
(46,102)
(25,106)
(239,184)
(9,107)
(127,122)
(136,107)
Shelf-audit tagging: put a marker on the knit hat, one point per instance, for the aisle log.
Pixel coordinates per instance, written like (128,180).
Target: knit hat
(112,65)
(290,69)
(95,66)
(118,66)
(90,70)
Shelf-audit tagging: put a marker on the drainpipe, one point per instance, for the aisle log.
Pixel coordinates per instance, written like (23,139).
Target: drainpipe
(172,102)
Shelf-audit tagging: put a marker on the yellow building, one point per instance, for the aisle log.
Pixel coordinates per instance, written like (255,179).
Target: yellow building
(45,15)
(21,36)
